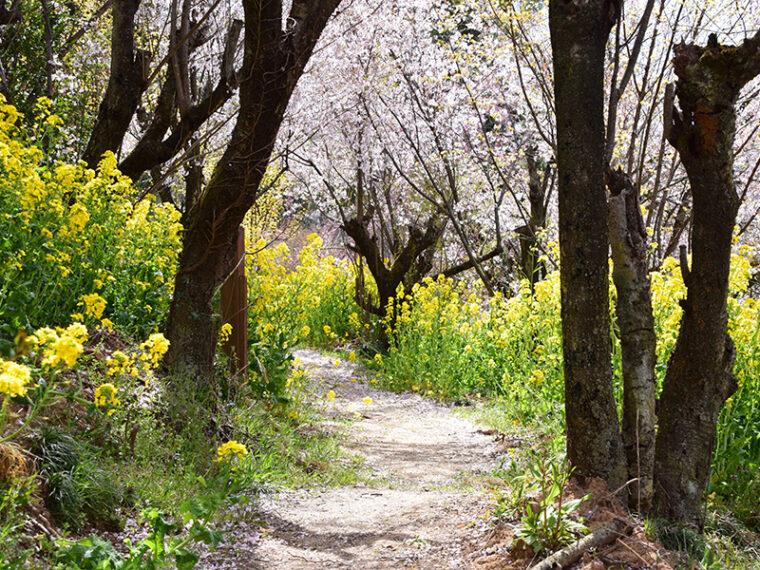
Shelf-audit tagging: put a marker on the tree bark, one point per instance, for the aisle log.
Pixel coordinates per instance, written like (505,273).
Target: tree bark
(638,341)
(128,81)
(9,15)
(273,61)
(700,378)
(154,148)
(579,31)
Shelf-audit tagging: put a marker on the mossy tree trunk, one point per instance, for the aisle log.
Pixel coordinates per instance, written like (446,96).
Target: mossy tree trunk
(699,378)
(274,59)
(579,32)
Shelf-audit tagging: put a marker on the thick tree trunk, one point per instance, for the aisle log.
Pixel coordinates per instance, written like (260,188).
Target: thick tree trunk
(579,32)
(699,378)
(273,61)
(128,81)
(638,341)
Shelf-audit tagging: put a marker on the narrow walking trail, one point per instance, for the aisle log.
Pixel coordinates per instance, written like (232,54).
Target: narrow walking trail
(429,469)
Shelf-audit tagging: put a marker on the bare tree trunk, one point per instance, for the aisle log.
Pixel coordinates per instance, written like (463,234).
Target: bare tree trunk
(274,59)
(638,341)
(579,32)
(49,69)
(128,80)
(700,378)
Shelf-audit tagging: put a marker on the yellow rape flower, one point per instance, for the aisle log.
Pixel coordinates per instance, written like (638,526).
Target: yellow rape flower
(155,347)
(231,450)
(64,348)
(105,396)
(225,332)
(93,304)
(77,331)
(14,378)
(119,363)
(331,396)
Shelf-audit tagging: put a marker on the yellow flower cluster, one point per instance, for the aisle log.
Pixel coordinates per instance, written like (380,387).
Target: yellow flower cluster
(93,304)
(154,349)
(14,378)
(60,346)
(120,363)
(105,396)
(231,450)
(225,332)
(75,236)
(309,298)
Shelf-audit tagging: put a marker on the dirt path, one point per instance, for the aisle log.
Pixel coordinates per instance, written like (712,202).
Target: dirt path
(429,466)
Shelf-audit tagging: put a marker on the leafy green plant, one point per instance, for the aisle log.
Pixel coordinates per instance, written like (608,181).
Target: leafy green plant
(550,522)
(151,553)
(269,366)
(167,544)
(14,496)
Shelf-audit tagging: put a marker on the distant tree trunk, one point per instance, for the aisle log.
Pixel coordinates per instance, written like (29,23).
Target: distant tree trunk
(700,378)
(638,341)
(409,265)
(533,269)
(579,32)
(274,60)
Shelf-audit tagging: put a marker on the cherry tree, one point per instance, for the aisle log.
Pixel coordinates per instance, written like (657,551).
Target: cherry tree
(416,141)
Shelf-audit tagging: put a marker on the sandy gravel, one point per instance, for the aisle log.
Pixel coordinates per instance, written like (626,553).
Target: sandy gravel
(430,469)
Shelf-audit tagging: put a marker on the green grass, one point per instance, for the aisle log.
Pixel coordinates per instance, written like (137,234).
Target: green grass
(297,451)
(725,544)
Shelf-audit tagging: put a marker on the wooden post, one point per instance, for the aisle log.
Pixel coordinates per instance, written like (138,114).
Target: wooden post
(235,311)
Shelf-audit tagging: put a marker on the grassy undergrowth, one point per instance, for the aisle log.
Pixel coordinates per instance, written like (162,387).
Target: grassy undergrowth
(146,451)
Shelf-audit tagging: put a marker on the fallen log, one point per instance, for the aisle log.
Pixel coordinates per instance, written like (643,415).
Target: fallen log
(571,553)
